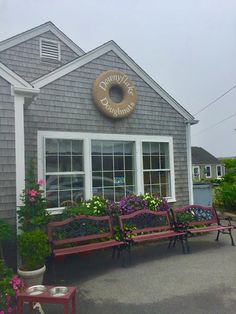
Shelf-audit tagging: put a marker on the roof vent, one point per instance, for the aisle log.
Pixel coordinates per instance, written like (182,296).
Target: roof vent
(50,49)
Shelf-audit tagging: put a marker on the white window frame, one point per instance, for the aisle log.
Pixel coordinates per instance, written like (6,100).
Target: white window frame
(198,176)
(221,170)
(52,41)
(87,138)
(206,166)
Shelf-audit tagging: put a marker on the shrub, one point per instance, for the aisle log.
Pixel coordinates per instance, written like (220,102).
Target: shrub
(225,197)
(6,233)
(154,202)
(132,203)
(33,247)
(95,206)
(10,284)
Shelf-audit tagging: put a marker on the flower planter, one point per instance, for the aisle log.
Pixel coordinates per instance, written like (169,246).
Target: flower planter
(32,277)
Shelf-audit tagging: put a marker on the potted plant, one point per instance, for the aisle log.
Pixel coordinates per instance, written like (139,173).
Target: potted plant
(33,248)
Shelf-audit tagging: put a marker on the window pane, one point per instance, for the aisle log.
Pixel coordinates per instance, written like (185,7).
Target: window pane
(96,148)
(129,163)
(119,163)
(64,196)
(107,148)
(51,146)
(77,147)
(52,199)
(129,178)
(65,147)
(146,162)
(52,183)
(51,164)
(146,149)
(96,163)
(64,164)
(77,195)
(97,179)
(164,162)
(108,179)
(77,182)
(77,163)
(155,162)
(146,177)
(107,163)
(118,149)
(155,148)
(156,189)
(109,193)
(64,183)
(154,177)
(128,148)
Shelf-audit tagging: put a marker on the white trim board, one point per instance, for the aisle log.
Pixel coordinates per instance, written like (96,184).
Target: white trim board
(13,78)
(112,46)
(88,137)
(39,30)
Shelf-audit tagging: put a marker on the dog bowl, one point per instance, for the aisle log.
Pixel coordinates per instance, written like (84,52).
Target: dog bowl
(35,290)
(58,291)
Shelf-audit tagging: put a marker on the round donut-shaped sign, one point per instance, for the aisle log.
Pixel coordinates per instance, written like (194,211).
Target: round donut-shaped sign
(102,88)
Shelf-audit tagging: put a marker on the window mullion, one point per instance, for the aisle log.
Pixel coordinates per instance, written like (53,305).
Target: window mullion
(139,167)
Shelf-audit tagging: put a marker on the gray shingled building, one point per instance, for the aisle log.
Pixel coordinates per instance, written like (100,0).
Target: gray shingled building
(205,165)
(84,145)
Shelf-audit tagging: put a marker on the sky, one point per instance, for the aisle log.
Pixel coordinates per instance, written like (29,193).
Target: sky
(188,47)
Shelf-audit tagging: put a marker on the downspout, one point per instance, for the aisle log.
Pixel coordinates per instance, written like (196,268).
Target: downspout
(189,162)
(20,95)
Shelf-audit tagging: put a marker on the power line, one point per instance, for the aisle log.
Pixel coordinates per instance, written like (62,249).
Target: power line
(215,100)
(213,125)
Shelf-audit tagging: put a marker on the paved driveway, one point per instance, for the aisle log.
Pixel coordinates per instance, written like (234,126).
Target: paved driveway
(159,281)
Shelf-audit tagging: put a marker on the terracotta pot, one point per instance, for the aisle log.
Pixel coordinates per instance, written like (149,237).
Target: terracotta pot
(32,277)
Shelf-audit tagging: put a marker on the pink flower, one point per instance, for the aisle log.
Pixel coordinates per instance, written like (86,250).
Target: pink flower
(41,182)
(10,310)
(32,193)
(1,312)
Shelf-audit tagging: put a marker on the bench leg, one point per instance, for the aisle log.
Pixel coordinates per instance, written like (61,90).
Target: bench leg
(217,237)
(231,237)
(170,242)
(185,238)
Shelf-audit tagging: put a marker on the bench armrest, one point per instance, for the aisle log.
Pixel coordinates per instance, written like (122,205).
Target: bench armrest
(228,218)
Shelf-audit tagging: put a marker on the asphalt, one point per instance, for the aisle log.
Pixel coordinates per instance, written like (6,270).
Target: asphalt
(158,280)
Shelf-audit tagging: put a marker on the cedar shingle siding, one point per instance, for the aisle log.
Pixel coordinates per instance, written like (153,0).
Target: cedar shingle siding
(66,105)
(7,154)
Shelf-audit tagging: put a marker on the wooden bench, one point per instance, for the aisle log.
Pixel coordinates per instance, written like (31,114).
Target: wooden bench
(146,225)
(82,234)
(200,219)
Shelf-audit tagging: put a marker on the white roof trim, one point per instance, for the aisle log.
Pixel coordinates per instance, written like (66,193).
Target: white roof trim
(112,46)
(39,30)
(13,78)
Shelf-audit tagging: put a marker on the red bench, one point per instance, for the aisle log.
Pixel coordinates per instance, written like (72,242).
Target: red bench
(146,225)
(82,234)
(200,219)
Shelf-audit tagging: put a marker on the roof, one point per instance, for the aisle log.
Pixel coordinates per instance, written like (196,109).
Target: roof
(49,26)
(201,156)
